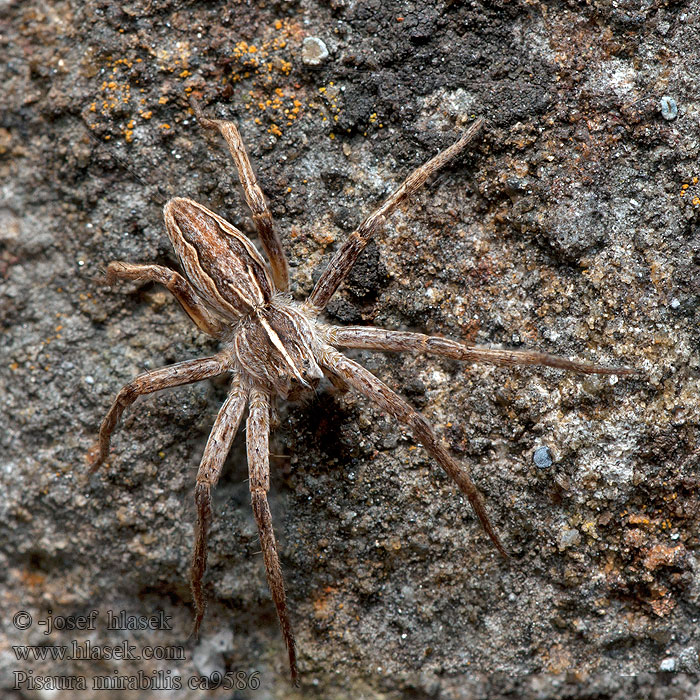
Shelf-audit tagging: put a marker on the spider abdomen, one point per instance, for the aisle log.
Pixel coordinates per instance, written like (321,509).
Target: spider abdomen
(219,260)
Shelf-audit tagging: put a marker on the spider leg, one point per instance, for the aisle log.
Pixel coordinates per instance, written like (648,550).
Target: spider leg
(215,453)
(399,341)
(176,284)
(181,373)
(342,262)
(253,195)
(258,433)
(367,384)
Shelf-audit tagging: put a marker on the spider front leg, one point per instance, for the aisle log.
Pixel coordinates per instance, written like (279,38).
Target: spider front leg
(258,434)
(218,445)
(342,262)
(367,384)
(401,341)
(176,284)
(181,373)
(253,195)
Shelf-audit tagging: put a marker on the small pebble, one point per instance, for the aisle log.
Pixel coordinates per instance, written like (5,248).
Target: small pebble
(669,108)
(668,664)
(89,379)
(569,538)
(543,457)
(313,51)
(207,656)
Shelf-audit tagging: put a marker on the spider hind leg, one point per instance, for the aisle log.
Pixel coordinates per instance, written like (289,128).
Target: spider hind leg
(367,384)
(253,195)
(369,338)
(215,453)
(186,372)
(258,434)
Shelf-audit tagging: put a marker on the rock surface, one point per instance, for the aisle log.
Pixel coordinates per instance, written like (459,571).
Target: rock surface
(572,227)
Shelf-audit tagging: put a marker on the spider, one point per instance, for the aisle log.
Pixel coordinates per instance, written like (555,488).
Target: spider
(274,346)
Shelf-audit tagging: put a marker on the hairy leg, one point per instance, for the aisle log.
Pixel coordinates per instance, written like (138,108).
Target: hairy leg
(258,433)
(253,195)
(215,453)
(163,378)
(345,258)
(176,284)
(367,384)
(399,341)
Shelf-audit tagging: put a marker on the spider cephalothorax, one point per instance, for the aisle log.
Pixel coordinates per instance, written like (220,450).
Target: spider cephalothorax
(272,345)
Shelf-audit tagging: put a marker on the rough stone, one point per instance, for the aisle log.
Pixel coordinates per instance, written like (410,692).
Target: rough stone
(572,227)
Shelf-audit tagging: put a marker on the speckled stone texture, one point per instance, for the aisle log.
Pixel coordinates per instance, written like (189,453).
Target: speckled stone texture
(572,227)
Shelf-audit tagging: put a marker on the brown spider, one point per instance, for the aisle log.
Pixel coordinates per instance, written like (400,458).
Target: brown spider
(273,345)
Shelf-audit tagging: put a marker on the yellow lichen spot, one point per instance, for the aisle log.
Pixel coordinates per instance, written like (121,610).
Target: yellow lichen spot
(128,135)
(331,135)
(685,186)
(696,201)
(93,107)
(162,100)
(146,115)
(695,180)
(165,126)
(636,519)
(278,24)
(107,137)
(252,49)
(185,73)
(274,129)
(14,366)
(322,89)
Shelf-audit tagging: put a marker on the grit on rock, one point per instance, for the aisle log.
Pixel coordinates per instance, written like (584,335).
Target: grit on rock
(572,227)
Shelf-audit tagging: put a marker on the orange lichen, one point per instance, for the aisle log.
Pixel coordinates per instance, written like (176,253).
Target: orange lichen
(689,188)
(266,62)
(663,555)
